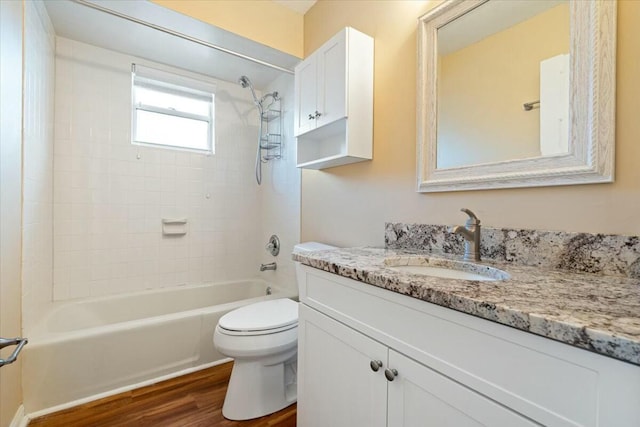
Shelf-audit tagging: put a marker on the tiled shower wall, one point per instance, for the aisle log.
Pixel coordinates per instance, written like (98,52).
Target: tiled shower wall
(37,211)
(280,193)
(110,196)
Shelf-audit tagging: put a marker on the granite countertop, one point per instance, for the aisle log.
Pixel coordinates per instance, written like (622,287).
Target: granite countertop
(595,312)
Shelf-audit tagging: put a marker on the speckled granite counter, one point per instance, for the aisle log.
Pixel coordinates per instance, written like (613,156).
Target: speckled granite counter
(595,312)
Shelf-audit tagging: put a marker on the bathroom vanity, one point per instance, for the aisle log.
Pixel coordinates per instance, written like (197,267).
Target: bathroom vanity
(382,347)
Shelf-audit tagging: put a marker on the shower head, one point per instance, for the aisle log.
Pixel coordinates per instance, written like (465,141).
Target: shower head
(245,82)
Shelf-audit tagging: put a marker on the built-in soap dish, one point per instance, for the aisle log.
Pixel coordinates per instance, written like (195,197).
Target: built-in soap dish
(174,227)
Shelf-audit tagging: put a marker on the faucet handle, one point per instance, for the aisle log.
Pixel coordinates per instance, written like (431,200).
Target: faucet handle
(473,219)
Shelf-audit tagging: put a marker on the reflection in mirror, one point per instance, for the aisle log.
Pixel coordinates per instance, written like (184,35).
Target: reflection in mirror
(491,62)
(516,94)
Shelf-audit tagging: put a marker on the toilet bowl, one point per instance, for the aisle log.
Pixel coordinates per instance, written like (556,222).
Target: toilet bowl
(262,338)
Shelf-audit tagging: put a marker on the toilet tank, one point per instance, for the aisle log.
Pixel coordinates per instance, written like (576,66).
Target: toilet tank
(307,247)
(311,246)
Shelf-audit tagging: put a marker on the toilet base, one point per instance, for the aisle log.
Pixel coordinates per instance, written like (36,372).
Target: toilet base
(259,387)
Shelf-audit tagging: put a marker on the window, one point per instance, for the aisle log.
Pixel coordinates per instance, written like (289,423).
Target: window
(172,111)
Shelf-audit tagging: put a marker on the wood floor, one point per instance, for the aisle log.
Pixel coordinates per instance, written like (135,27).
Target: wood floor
(189,401)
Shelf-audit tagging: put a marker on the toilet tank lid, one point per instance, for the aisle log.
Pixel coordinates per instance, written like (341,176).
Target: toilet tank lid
(261,316)
(311,246)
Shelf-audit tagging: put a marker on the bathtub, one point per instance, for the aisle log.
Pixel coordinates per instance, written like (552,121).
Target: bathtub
(83,350)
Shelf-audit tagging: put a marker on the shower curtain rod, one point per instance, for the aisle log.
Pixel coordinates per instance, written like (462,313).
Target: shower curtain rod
(181,35)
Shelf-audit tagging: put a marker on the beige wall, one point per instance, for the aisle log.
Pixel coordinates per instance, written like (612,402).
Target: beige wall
(266,22)
(481,89)
(349,205)
(10,200)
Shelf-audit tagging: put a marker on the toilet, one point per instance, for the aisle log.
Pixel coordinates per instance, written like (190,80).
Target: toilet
(262,338)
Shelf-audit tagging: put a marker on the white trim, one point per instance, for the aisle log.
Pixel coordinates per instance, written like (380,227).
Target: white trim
(171,147)
(156,77)
(19,419)
(173,113)
(592,108)
(47,411)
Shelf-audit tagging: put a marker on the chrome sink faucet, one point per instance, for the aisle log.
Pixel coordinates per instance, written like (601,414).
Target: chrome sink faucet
(471,234)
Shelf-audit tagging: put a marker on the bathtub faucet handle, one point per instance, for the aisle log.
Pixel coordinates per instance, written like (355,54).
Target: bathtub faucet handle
(273,246)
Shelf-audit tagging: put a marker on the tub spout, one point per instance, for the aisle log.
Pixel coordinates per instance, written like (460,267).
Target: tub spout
(270,266)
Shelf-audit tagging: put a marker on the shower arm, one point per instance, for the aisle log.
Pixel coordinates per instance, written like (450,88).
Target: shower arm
(272,95)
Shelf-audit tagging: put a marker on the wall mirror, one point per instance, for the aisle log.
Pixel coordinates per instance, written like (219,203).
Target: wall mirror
(516,94)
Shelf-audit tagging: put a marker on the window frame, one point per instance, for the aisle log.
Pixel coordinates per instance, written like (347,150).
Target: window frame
(172,84)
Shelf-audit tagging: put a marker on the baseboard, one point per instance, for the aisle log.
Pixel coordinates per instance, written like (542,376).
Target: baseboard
(47,411)
(19,419)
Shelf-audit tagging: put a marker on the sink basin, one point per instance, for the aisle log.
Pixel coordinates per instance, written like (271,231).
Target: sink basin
(445,269)
(444,273)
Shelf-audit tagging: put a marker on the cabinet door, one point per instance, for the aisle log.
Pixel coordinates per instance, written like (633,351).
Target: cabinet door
(421,397)
(332,80)
(305,93)
(336,385)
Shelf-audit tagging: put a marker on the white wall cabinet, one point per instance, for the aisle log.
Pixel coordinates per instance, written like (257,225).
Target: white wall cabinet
(306,77)
(453,370)
(321,83)
(333,115)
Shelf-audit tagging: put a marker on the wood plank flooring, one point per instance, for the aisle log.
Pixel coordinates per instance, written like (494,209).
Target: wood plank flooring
(193,400)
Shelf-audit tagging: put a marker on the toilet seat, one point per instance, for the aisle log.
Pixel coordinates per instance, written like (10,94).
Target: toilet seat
(262,318)
(255,333)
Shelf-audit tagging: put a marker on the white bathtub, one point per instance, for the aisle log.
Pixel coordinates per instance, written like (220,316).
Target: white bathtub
(87,349)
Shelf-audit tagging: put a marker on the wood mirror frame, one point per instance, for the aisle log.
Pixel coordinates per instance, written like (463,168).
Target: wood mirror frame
(591,116)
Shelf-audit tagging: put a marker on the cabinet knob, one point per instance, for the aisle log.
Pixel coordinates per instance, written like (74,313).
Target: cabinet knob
(311,117)
(318,114)
(390,374)
(375,365)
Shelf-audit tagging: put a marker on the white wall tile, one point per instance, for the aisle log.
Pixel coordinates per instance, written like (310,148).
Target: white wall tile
(38,159)
(110,196)
(98,230)
(280,194)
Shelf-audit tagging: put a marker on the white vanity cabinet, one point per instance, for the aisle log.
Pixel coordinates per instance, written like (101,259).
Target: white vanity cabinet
(446,368)
(420,396)
(335,377)
(333,114)
(343,382)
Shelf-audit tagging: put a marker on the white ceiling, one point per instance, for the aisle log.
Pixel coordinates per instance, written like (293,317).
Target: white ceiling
(300,6)
(84,24)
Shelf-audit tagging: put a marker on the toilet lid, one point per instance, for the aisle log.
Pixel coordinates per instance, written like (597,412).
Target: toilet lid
(261,316)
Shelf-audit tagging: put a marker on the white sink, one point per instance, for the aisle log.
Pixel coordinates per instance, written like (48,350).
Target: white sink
(444,268)
(444,273)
